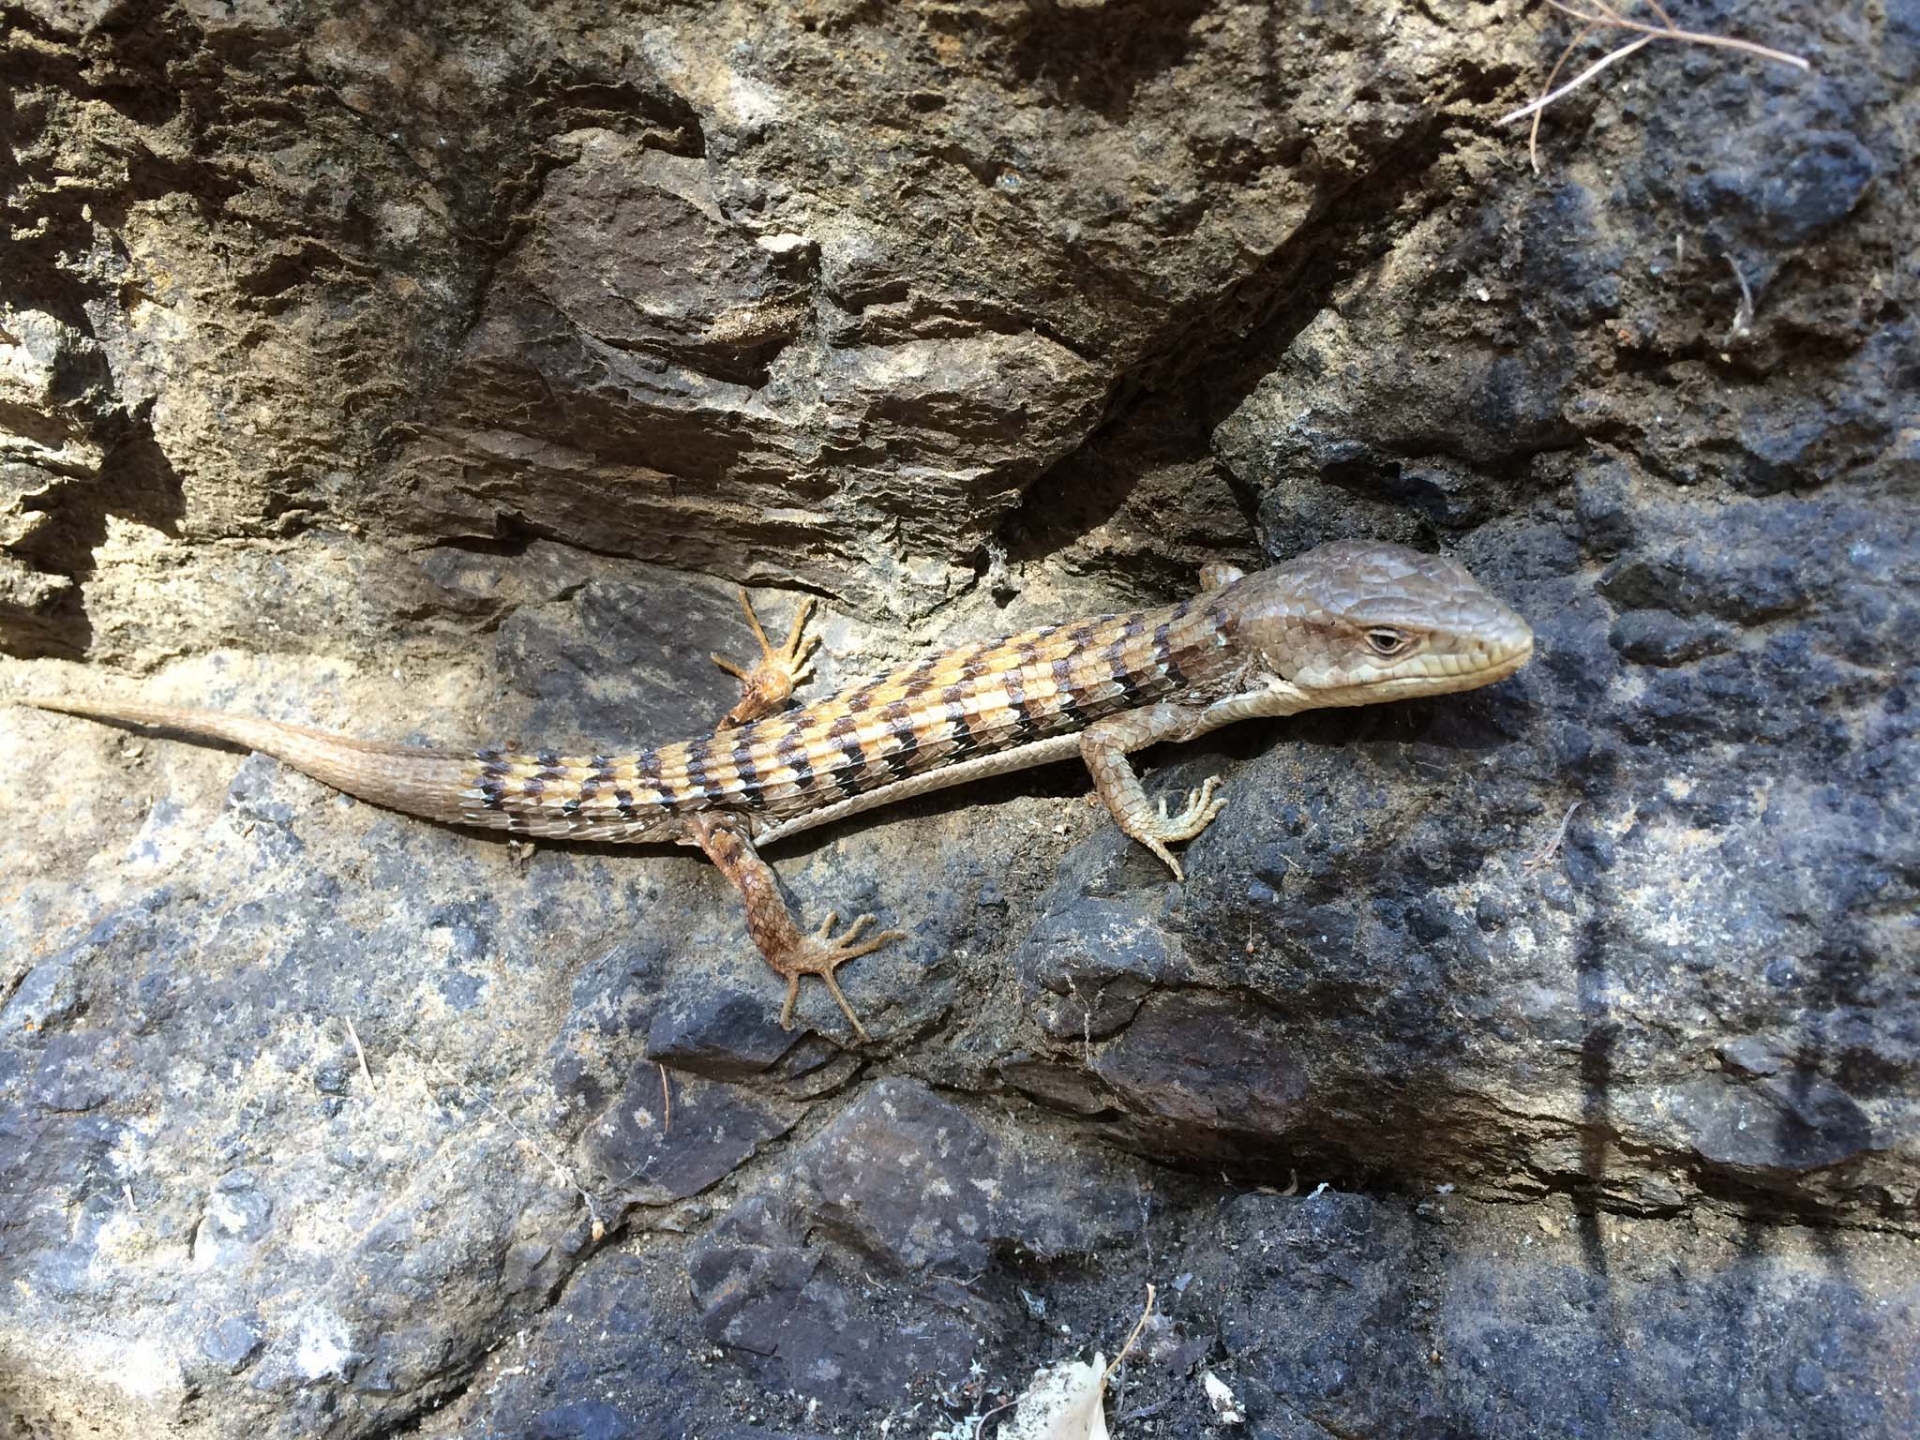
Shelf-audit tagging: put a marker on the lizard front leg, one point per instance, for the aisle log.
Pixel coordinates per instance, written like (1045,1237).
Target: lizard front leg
(791,951)
(1105,745)
(770,681)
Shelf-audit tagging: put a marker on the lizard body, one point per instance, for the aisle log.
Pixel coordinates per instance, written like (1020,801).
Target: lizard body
(1349,623)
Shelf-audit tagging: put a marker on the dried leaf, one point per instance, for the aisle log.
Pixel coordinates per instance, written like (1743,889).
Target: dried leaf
(1064,1402)
(1226,1409)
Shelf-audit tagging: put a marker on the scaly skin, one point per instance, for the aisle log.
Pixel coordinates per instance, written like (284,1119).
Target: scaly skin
(1350,623)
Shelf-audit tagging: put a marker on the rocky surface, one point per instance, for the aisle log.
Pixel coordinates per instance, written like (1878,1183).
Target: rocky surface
(1540,1060)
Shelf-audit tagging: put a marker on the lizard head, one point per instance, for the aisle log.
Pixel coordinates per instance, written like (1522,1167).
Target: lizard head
(1353,622)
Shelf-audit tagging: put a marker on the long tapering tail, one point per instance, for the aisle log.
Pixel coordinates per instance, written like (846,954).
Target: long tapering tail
(417,781)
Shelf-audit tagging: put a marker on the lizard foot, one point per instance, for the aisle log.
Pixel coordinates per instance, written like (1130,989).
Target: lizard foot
(1199,813)
(821,953)
(771,680)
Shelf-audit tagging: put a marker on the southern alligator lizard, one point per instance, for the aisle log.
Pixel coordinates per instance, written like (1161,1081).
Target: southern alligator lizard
(1349,623)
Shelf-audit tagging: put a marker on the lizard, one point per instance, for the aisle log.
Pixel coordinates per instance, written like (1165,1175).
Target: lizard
(1348,623)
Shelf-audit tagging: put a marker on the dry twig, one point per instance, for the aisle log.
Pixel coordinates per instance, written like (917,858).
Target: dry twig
(1608,15)
(1743,313)
(354,1035)
(1551,848)
(1132,1339)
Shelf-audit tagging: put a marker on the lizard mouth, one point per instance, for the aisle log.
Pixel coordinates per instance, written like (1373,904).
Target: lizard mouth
(1504,657)
(1495,660)
(1443,672)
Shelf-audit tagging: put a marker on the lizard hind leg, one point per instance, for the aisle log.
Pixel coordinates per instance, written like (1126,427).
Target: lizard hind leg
(770,681)
(790,951)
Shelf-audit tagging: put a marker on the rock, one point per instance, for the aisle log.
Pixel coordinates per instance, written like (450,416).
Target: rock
(1533,1060)
(1205,1073)
(913,1187)
(1420,1317)
(1659,637)
(233,1342)
(724,1034)
(1101,957)
(798,1326)
(664,1140)
(917,1182)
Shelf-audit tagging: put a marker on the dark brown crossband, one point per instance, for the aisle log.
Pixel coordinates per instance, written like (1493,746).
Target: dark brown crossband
(1113,661)
(752,793)
(699,758)
(1064,698)
(600,777)
(965,741)
(646,770)
(843,737)
(1163,654)
(791,751)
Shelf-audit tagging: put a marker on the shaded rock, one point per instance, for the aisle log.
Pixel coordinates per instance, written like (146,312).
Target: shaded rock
(1812,180)
(1431,1320)
(1056,1084)
(1101,957)
(664,1138)
(1205,1073)
(1786,1122)
(1659,637)
(921,1193)
(915,1180)
(723,1034)
(801,1326)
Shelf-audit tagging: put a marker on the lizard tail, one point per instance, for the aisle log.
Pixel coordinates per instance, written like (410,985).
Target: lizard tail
(427,783)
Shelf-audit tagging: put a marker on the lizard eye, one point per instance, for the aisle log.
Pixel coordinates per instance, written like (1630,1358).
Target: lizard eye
(1386,642)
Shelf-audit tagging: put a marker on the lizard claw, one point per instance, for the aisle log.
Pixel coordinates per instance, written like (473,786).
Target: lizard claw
(821,953)
(771,680)
(1199,812)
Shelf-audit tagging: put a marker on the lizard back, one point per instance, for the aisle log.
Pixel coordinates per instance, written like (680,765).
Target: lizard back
(980,699)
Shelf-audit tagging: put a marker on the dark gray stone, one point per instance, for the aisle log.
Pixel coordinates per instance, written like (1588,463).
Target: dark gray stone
(1205,1074)
(1431,1321)
(1659,637)
(1100,957)
(724,1034)
(795,1323)
(920,1183)
(233,1342)
(666,1137)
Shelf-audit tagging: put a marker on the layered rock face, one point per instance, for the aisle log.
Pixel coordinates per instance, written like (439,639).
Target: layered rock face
(1540,1060)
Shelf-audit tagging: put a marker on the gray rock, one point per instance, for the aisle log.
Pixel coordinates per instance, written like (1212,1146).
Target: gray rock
(1434,1320)
(664,1139)
(1659,637)
(233,1342)
(1100,957)
(441,378)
